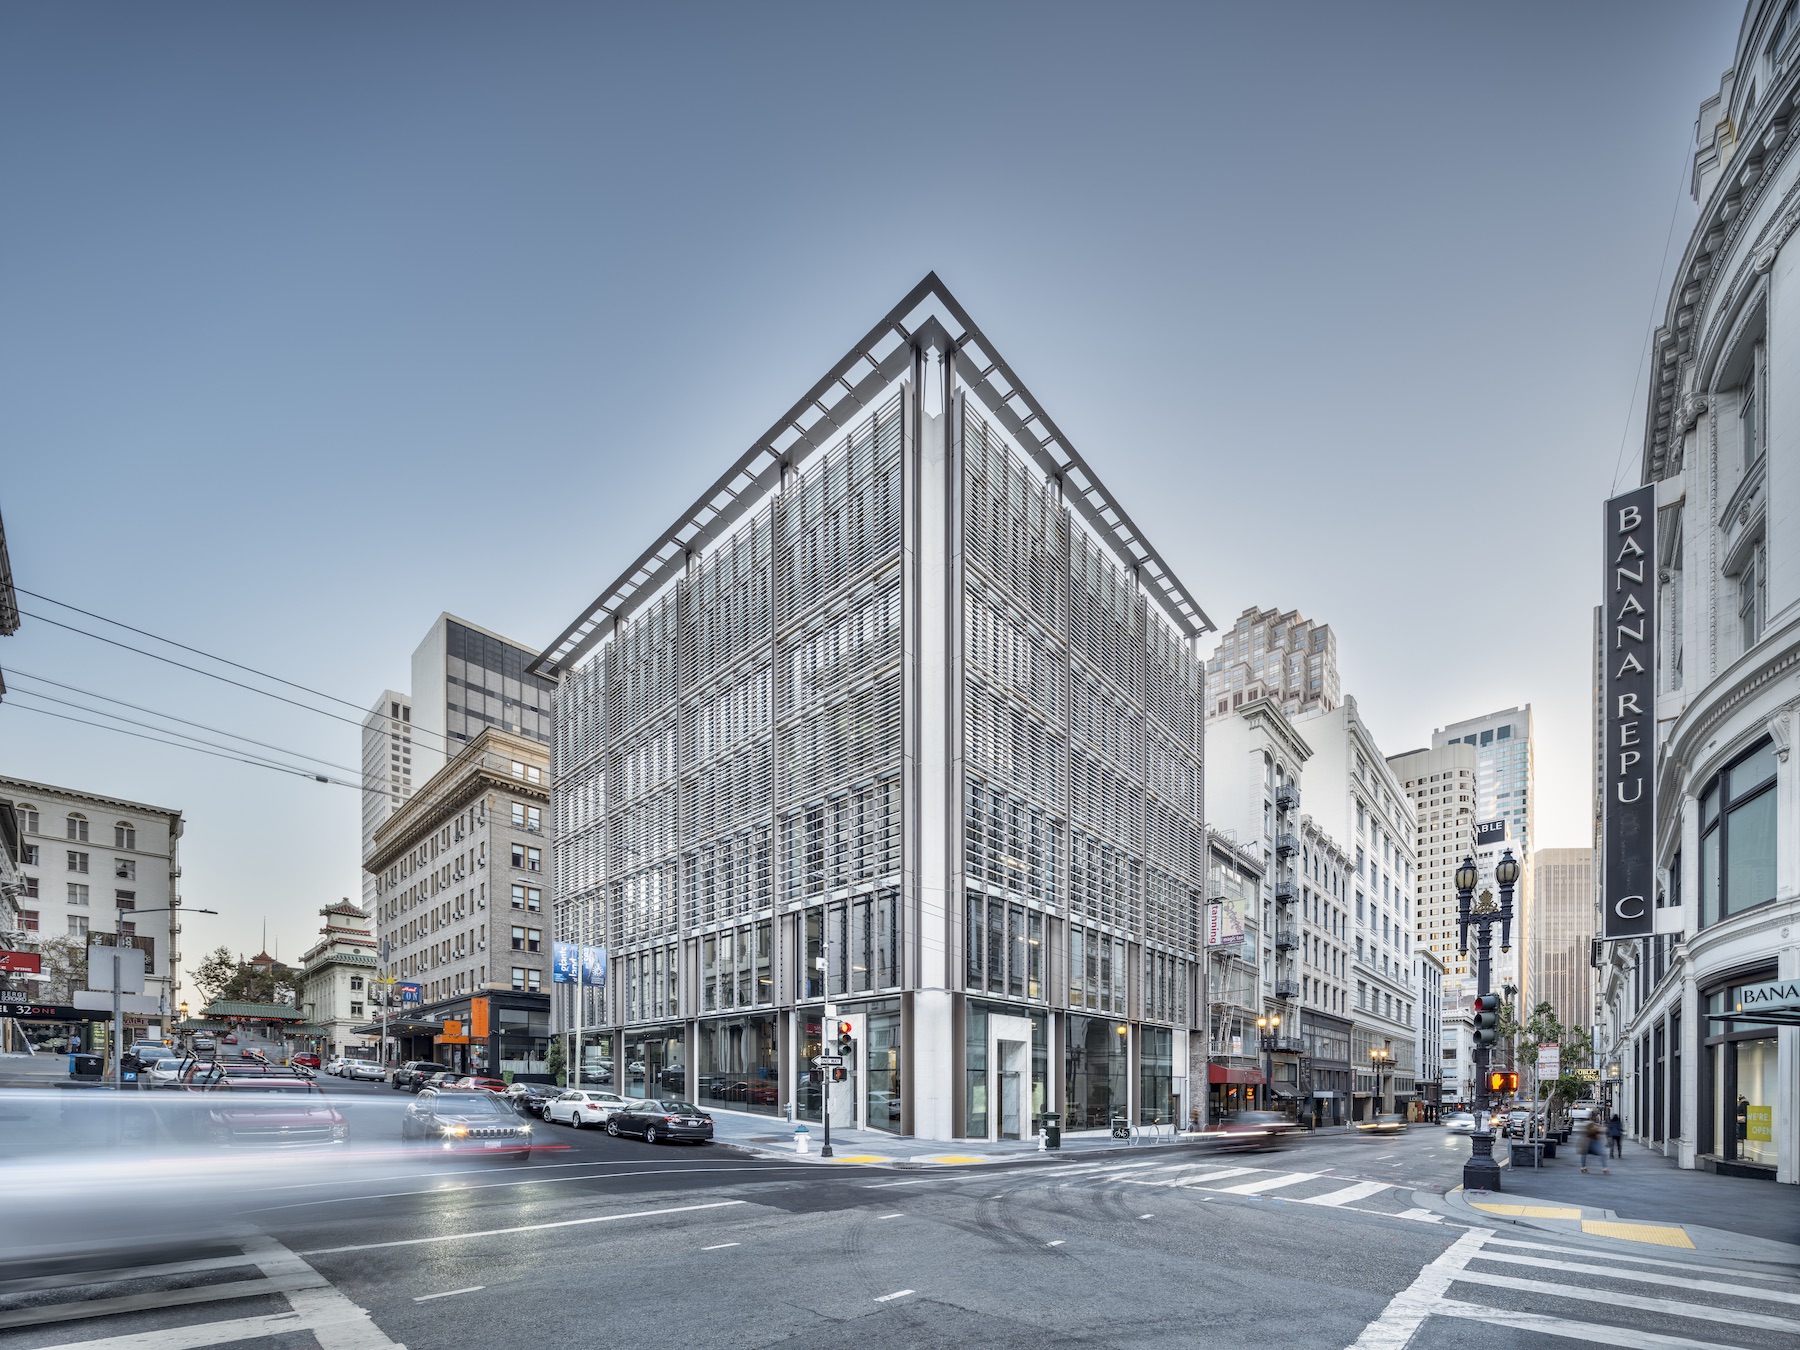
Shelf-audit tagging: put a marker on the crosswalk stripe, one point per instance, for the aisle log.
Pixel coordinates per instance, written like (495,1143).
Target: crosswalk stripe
(71,1279)
(161,1298)
(194,1337)
(1633,1257)
(1360,1191)
(1643,1277)
(1672,1307)
(1597,1333)
(1218,1174)
(1273,1183)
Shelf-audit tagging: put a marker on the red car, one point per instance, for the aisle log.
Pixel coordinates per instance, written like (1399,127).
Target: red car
(306,1059)
(475,1083)
(229,1039)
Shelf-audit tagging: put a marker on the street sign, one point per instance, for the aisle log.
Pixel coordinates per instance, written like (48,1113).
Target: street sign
(29,963)
(1549,1060)
(827,1061)
(130,963)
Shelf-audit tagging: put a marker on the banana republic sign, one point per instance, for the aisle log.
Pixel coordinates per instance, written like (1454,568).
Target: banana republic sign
(1628,692)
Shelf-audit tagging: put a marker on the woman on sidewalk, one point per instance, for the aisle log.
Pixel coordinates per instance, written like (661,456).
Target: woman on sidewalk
(1615,1136)
(1591,1144)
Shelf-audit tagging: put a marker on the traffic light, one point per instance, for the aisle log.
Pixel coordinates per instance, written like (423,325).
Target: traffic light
(1487,1019)
(846,1043)
(840,1074)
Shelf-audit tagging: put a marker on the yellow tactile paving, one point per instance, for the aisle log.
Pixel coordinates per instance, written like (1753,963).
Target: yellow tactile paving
(860,1158)
(954,1158)
(1529,1211)
(1663,1235)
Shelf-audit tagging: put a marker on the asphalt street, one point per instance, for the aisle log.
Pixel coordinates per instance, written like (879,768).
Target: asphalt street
(607,1241)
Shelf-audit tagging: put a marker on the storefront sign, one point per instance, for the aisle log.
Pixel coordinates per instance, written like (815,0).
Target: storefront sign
(410,993)
(1776,994)
(27,963)
(1759,1123)
(1628,694)
(1489,832)
(13,1005)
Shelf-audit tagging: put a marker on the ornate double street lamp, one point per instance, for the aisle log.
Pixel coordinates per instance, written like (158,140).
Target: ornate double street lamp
(1266,1027)
(1481,1172)
(1379,1059)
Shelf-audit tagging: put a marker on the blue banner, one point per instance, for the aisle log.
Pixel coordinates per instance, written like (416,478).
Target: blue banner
(411,993)
(565,962)
(593,965)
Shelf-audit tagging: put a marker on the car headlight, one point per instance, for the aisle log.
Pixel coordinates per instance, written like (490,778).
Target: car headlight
(456,1131)
(525,1130)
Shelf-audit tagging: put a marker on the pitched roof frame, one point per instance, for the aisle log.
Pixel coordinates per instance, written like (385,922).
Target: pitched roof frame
(860,377)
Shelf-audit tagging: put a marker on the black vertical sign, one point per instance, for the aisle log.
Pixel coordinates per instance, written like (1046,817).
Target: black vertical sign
(1628,690)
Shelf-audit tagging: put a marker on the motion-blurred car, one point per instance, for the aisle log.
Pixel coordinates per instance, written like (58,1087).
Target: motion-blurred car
(1254,1130)
(584,1106)
(1384,1124)
(480,1083)
(658,1120)
(475,1122)
(1460,1122)
(306,1059)
(204,1045)
(229,1039)
(271,1112)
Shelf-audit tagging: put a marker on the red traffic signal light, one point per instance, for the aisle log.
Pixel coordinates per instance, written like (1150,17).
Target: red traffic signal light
(846,1045)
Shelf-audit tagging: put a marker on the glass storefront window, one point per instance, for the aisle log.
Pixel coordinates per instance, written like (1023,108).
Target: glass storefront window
(738,1062)
(975,1123)
(808,1094)
(881,1105)
(1096,1072)
(655,1065)
(1156,1077)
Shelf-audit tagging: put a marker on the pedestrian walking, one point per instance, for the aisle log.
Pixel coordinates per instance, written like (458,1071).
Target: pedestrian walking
(1615,1136)
(1591,1143)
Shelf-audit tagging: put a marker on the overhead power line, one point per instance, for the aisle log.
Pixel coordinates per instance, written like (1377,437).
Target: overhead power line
(179,745)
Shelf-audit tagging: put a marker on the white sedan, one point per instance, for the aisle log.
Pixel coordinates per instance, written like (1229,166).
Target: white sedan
(583,1106)
(164,1072)
(1460,1122)
(363,1068)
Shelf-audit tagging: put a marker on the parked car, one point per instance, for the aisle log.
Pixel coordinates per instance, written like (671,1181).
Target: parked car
(657,1120)
(438,1081)
(1383,1124)
(1460,1122)
(306,1059)
(162,1073)
(481,1083)
(271,1112)
(476,1122)
(411,1075)
(144,1053)
(363,1068)
(584,1106)
(204,1045)
(533,1099)
(1254,1130)
(1515,1123)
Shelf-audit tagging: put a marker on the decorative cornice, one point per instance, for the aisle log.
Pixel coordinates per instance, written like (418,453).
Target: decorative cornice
(1693,407)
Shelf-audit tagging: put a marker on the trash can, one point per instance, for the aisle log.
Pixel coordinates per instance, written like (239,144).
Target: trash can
(1050,1126)
(86,1066)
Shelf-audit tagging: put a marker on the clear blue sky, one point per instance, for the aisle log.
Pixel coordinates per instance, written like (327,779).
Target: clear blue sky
(319,319)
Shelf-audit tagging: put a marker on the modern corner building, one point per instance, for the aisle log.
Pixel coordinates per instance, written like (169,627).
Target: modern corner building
(903,717)
(1712,1084)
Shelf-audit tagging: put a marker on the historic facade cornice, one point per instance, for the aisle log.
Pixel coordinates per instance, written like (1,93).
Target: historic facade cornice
(453,787)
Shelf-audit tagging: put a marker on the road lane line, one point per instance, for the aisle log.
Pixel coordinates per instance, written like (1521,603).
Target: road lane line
(889,1298)
(1407,1310)
(1057,1243)
(463,1187)
(521,1228)
(893,1216)
(883,1185)
(721,1246)
(1360,1191)
(194,1337)
(1217,1174)
(1672,1307)
(450,1293)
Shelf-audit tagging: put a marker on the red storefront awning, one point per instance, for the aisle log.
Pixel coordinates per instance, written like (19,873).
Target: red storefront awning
(1226,1073)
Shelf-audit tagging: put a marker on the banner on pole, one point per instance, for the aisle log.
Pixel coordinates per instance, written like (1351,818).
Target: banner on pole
(565,962)
(1628,701)
(593,965)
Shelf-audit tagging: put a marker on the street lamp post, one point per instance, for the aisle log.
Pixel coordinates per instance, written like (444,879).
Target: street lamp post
(118,1016)
(1481,1172)
(1379,1058)
(1266,1027)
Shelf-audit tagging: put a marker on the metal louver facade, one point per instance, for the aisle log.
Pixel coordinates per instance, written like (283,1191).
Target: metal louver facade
(903,720)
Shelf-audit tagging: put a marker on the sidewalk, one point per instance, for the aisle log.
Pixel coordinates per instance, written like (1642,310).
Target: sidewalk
(773,1137)
(1644,1199)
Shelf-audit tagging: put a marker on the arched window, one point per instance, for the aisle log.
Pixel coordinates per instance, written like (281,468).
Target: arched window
(28,817)
(78,826)
(124,835)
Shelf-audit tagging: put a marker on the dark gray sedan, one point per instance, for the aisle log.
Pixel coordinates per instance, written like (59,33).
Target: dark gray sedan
(659,1120)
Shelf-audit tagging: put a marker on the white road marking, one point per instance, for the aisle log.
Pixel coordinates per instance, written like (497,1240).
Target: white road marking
(917,1181)
(721,1246)
(159,1298)
(450,1293)
(1633,1257)
(1407,1310)
(460,1187)
(1420,1215)
(336,1322)
(1362,1190)
(1216,1174)
(1273,1183)
(194,1337)
(1645,1277)
(87,1278)
(1595,1333)
(889,1298)
(522,1228)
(1672,1307)
(893,1216)
(1146,1216)
(1057,1243)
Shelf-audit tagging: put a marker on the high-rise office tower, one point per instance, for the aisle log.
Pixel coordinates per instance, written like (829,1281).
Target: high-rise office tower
(1562,932)
(1277,655)
(387,755)
(466,679)
(1441,784)
(1504,790)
